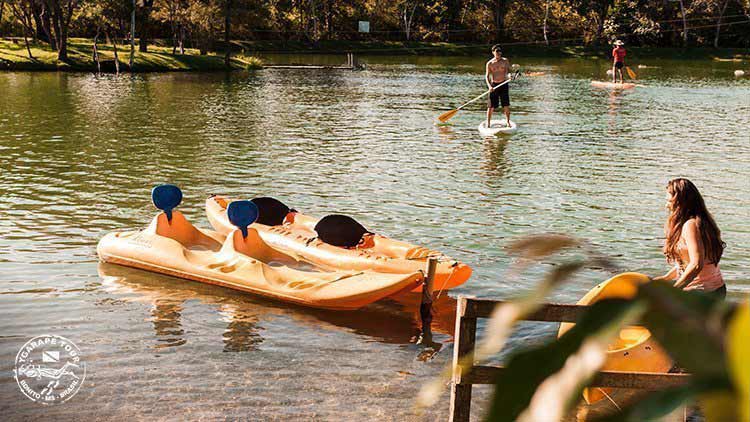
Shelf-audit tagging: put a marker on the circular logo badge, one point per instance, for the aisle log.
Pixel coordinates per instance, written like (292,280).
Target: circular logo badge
(49,369)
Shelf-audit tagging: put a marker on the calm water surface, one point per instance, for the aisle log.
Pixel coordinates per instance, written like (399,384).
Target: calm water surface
(79,154)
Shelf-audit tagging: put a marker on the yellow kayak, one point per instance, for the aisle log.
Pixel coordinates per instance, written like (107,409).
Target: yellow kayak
(242,261)
(634,350)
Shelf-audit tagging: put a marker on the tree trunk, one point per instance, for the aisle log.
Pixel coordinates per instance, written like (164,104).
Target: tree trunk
(173,25)
(24,17)
(58,24)
(62,50)
(182,39)
(718,23)
(36,15)
(96,52)
(132,37)
(602,17)
(44,24)
(500,6)
(117,59)
(546,15)
(408,18)
(684,24)
(227,46)
(145,26)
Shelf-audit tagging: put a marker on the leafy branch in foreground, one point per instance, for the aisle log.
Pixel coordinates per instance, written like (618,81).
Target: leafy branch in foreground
(708,337)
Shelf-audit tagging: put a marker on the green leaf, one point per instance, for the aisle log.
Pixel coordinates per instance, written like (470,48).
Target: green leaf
(658,404)
(528,369)
(720,406)
(738,353)
(689,326)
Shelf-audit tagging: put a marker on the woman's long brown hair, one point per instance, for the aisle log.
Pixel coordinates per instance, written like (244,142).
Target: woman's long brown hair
(688,203)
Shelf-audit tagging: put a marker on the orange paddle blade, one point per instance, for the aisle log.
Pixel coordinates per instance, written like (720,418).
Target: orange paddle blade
(631,73)
(447,115)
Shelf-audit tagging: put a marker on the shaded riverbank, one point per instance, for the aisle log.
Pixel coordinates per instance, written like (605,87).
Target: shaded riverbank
(14,56)
(510,49)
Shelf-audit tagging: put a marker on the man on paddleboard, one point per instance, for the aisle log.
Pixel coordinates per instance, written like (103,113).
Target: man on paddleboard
(496,72)
(618,59)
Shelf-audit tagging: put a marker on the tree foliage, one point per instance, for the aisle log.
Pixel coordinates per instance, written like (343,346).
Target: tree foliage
(200,23)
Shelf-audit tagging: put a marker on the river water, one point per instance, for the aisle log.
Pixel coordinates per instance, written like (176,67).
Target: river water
(80,153)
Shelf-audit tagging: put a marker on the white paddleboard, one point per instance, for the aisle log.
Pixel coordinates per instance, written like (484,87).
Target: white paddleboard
(610,85)
(497,127)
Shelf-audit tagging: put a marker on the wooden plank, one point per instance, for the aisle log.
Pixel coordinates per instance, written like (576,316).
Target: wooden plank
(614,379)
(550,312)
(464,340)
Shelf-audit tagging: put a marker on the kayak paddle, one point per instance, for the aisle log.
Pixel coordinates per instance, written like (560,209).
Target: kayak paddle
(449,114)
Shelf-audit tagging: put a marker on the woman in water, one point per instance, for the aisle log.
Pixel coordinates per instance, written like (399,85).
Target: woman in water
(693,241)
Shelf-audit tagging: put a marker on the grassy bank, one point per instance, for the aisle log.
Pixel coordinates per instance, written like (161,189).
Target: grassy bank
(451,49)
(14,56)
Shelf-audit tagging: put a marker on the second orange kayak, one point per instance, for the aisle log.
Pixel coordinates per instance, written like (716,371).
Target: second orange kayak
(296,235)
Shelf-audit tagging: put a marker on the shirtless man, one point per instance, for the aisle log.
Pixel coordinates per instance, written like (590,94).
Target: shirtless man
(497,70)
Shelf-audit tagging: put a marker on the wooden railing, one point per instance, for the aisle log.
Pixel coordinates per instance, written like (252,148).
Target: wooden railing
(469,310)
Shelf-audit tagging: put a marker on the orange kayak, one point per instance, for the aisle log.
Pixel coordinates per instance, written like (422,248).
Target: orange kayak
(296,236)
(634,350)
(240,260)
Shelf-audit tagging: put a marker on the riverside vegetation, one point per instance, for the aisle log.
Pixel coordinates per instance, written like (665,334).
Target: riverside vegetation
(199,27)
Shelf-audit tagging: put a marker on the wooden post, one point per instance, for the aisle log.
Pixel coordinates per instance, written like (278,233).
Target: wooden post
(463,348)
(425,308)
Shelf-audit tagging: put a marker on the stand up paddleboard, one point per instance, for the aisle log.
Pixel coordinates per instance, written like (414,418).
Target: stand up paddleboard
(610,85)
(497,127)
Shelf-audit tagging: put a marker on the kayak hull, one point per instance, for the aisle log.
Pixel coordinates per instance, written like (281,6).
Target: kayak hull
(497,127)
(223,265)
(610,85)
(634,350)
(298,238)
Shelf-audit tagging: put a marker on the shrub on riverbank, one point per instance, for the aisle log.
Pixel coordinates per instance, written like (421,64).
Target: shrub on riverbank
(14,56)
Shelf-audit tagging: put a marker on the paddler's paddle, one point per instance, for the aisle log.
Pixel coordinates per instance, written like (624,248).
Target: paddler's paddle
(631,73)
(449,114)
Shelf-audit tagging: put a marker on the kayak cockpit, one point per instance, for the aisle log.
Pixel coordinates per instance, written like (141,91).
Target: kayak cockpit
(182,231)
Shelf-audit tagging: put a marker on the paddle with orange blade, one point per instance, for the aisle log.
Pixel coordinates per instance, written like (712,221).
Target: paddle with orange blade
(631,73)
(449,114)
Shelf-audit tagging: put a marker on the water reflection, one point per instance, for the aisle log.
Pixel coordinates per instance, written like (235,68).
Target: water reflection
(496,164)
(166,315)
(243,332)
(393,321)
(614,101)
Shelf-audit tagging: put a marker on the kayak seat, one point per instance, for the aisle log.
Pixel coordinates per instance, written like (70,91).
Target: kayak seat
(255,247)
(271,211)
(341,230)
(180,229)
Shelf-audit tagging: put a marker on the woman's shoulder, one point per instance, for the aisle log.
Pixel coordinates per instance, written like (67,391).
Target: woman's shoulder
(690,226)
